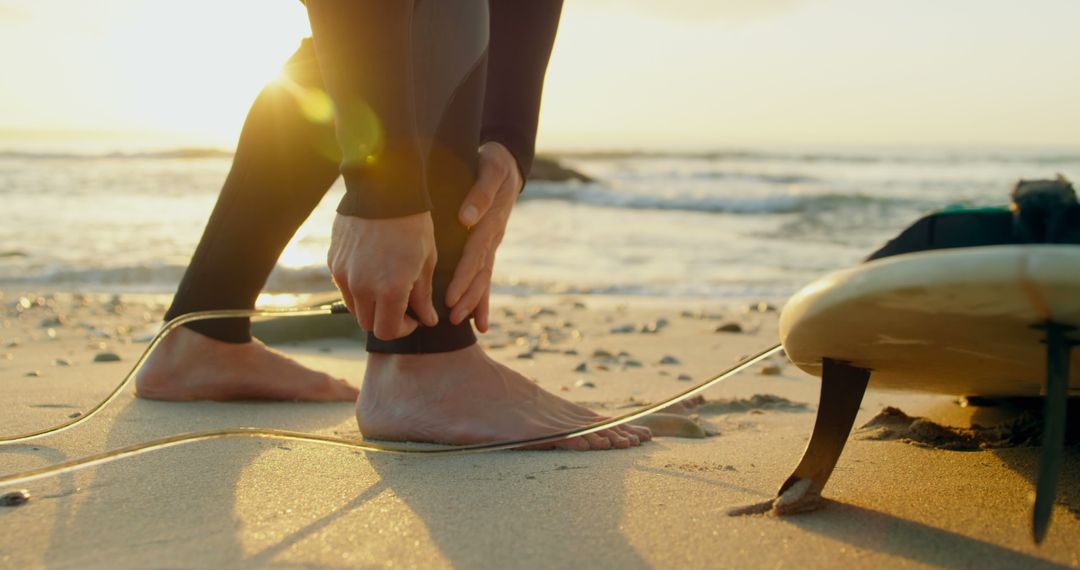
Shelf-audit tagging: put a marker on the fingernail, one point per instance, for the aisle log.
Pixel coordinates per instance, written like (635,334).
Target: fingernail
(434,317)
(469,215)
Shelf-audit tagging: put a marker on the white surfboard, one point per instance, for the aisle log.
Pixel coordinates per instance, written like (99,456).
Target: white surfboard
(955,321)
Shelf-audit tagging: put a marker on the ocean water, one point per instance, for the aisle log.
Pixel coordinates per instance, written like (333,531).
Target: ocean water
(725,224)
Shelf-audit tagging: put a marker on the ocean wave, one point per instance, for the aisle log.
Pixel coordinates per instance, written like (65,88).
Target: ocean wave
(600,195)
(944,157)
(168,154)
(930,156)
(163,279)
(160,278)
(669,175)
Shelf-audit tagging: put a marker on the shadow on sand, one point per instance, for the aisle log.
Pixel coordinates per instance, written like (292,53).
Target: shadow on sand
(874,530)
(157,506)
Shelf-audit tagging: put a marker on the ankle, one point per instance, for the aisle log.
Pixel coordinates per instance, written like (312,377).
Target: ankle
(419,364)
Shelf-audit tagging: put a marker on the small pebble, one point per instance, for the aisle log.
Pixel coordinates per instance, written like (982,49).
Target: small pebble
(623,354)
(51,333)
(601,353)
(75,415)
(583,367)
(525,355)
(669,359)
(62,362)
(771,370)
(632,363)
(584,384)
(12,343)
(761,308)
(685,377)
(106,357)
(570,352)
(729,328)
(56,321)
(623,329)
(34,374)
(654,326)
(541,311)
(15,498)
(579,305)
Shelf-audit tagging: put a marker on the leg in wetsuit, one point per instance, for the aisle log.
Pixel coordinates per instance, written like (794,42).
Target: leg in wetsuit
(417,71)
(288,157)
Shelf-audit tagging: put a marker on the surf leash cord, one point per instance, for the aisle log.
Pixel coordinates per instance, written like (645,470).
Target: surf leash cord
(260,433)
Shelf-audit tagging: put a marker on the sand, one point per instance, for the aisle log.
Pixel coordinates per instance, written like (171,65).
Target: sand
(240,504)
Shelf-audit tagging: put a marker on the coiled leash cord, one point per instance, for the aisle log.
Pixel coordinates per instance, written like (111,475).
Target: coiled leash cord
(258,433)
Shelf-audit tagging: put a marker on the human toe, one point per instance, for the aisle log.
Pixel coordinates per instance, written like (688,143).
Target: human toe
(597,441)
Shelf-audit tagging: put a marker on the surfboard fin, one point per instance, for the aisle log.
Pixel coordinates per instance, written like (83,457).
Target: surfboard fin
(1058,348)
(842,389)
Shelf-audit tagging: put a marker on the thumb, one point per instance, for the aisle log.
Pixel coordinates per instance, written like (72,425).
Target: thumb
(482,194)
(420,298)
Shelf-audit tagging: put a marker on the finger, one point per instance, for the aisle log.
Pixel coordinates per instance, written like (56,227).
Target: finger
(472,261)
(471,299)
(420,298)
(482,194)
(346,296)
(364,313)
(391,322)
(483,310)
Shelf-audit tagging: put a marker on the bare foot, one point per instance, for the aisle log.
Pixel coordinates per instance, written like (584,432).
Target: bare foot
(465,397)
(190,366)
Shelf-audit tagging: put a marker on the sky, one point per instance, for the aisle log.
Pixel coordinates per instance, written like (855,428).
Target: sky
(676,74)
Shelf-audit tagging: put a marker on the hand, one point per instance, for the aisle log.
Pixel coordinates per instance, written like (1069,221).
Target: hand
(382,267)
(488,206)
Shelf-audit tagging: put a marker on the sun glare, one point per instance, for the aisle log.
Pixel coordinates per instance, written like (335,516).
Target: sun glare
(150,65)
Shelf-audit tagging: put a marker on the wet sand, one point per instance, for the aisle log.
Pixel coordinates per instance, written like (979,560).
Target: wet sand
(250,503)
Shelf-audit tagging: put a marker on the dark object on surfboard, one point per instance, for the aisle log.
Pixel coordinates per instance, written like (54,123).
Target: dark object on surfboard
(916,315)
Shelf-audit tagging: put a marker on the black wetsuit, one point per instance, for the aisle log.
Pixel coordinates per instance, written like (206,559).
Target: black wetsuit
(416,88)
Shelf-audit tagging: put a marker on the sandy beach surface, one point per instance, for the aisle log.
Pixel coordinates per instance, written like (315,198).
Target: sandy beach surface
(247,503)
